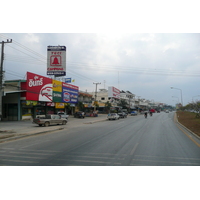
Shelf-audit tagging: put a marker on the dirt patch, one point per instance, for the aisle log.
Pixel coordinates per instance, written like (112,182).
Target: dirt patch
(189,120)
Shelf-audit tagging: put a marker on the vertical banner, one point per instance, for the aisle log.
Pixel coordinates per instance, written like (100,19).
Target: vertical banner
(56,60)
(57,91)
(113,92)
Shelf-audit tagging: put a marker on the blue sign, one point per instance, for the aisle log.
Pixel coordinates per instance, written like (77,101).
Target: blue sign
(68,80)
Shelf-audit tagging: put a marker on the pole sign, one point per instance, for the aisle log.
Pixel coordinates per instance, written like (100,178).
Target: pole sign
(56,60)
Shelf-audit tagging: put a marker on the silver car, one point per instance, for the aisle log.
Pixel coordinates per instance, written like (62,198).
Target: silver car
(113,116)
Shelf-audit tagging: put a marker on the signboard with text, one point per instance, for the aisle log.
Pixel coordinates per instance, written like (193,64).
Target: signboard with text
(56,60)
(113,92)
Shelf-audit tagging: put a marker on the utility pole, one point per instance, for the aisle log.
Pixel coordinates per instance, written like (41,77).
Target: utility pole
(1,73)
(95,97)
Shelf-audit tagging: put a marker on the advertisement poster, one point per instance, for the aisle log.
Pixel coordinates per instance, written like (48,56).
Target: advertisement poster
(113,92)
(57,91)
(70,93)
(39,88)
(56,60)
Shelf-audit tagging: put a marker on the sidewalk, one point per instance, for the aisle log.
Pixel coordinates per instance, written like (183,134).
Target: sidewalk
(10,130)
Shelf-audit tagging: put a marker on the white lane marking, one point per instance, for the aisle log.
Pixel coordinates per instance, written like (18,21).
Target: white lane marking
(134,148)
(18,161)
(35,144)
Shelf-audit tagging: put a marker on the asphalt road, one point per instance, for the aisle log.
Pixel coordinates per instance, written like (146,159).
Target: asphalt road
(134,141)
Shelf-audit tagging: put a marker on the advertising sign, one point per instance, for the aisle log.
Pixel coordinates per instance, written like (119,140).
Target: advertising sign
(56,60)
(57,91)
(68,80)
(69,93)
(39,88)
(113,92)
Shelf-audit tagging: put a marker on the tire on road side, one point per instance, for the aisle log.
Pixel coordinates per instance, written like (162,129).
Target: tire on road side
(64,123)
(46,124)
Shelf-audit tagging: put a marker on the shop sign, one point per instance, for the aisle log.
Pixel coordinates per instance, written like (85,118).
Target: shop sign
(52,104)
(39,88)
(31,103)
(60,105)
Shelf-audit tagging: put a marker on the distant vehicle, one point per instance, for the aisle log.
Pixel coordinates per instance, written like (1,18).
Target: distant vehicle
(167,111)
(50,120)
(79,114)
(63,115)
(122,115)
(133,113)
(113,116)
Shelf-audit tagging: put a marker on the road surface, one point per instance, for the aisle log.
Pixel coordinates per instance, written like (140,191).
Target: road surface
(133,141)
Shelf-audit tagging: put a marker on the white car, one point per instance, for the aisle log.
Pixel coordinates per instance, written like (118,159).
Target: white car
(113,116)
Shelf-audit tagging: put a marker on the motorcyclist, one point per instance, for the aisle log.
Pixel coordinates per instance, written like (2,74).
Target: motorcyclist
(145,114)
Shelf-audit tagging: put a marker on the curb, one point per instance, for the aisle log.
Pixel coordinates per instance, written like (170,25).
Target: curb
(26,135)
(186,128)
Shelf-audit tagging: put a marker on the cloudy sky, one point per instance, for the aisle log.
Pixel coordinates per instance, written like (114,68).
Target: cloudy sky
(145,64)
(145,51)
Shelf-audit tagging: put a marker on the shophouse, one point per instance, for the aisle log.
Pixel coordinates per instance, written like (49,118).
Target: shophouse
(37,95)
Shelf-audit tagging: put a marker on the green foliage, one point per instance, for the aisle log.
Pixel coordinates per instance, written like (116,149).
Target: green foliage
(81,106)
(123,103)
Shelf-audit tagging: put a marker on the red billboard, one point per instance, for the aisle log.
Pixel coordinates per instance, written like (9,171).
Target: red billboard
(39,88)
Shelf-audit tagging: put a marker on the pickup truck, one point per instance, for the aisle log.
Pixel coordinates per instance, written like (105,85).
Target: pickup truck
(63,115)
(113,116)
(50,120)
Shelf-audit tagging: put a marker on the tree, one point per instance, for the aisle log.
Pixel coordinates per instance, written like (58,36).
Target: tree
(107,106)
(123,103)
(81,106)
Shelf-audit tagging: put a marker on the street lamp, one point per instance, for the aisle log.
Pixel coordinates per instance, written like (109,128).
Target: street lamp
(181,94)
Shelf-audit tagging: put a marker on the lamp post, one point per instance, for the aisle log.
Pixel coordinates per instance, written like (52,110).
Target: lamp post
(177,98)
(181,94)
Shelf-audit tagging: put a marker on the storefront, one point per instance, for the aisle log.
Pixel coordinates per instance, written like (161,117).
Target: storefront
(38,95)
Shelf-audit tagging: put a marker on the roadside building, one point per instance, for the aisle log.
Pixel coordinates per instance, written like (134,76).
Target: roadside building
(37,95)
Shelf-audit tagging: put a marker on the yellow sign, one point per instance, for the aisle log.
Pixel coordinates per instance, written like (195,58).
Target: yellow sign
(60,105)
(32,103)
(57,86)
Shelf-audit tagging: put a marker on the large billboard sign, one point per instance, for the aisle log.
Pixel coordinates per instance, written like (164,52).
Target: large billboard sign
(70,93)
(56,60)
(39,88)
(113,92)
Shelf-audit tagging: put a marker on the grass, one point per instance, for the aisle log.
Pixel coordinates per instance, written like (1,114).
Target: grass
(189,120)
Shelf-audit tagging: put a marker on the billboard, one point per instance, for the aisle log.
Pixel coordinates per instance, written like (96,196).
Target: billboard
(39,88)
(56,60)
(113,92)
(69,93)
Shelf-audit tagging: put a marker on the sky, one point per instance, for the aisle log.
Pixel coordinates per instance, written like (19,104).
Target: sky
(144,47)
(146,64)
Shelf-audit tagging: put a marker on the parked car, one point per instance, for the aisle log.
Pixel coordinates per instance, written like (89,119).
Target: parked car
(113,116)
(133,113)
(122,115)
(79,114)
(50,120)
(63,115)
